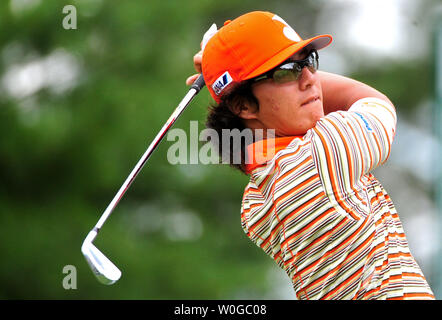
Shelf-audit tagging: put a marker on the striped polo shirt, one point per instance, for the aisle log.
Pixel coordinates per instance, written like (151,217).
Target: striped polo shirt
(314,207)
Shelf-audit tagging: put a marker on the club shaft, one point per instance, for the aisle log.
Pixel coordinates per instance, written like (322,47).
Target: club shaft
(180,108)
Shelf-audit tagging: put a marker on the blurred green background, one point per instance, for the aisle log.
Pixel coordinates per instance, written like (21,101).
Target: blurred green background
(79,107)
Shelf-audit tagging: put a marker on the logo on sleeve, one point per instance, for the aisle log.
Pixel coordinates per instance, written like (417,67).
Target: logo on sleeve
(221,83)
(367,125)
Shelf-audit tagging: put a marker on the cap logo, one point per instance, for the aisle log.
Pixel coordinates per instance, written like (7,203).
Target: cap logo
(288,31)
(221,83)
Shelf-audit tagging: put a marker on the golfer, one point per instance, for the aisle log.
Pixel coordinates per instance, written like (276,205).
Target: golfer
(311,202)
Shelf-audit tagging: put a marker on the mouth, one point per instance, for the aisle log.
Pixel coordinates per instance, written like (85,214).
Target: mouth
(310,100)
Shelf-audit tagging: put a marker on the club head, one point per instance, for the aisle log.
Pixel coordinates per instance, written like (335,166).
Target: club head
(105,271)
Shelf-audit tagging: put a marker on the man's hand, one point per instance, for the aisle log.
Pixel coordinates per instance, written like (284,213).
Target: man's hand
(197,59)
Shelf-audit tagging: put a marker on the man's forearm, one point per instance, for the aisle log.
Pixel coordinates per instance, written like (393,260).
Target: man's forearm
(340,92)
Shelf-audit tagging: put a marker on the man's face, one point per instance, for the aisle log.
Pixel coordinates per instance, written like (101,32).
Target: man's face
(290,108)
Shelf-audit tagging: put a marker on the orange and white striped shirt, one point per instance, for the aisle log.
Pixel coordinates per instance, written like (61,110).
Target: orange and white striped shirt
(316,209)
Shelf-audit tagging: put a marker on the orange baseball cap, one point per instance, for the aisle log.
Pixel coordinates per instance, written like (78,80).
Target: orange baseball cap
(248,46)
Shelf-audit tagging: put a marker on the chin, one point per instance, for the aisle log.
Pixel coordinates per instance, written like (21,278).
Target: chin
(314,117)
(318,114)
(313,122)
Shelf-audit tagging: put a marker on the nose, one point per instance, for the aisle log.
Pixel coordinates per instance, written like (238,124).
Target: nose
(307,79)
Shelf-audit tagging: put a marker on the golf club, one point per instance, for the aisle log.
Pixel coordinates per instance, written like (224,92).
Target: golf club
(102,267)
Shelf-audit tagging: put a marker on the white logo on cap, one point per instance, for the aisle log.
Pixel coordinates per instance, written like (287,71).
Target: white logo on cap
(288,31)
(221,83)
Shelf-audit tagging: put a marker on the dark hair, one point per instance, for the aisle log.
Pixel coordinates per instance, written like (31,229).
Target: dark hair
(225,115)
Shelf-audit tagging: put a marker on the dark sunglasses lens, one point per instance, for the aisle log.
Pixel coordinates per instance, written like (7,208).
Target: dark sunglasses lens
(291,71)
(286,75)
(312,63)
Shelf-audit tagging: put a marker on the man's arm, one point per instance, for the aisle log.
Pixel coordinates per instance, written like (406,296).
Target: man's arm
(340,92)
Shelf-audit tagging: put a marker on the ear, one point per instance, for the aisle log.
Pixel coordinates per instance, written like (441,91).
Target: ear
(246,111)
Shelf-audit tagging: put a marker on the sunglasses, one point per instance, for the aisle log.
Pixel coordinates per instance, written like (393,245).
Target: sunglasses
(290,70)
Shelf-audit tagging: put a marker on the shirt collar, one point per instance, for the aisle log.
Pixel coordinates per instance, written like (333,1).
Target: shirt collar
(260,152)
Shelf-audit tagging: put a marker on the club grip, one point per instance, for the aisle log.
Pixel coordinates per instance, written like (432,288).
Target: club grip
(199,83)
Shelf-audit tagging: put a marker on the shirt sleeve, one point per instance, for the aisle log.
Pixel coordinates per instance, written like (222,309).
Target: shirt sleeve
(346,145)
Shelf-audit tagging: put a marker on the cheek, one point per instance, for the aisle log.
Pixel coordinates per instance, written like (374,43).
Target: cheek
(270,103)
(275,107)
